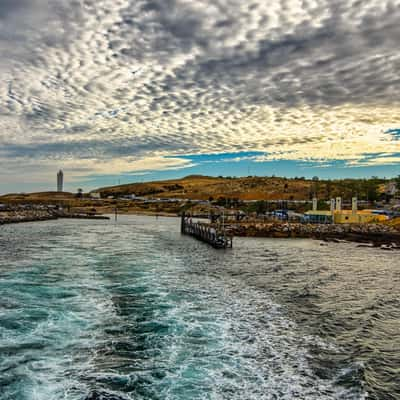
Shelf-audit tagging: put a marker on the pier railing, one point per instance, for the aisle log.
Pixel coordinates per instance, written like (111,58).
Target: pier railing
(214,236)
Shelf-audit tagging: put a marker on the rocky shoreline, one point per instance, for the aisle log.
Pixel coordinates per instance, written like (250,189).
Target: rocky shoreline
(14,217)
(19,216)
(372,234)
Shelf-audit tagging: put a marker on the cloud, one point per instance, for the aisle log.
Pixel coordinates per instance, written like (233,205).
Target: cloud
(129,80)
(383,161)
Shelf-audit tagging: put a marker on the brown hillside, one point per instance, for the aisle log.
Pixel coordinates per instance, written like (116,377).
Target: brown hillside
(37,197)
(204,187)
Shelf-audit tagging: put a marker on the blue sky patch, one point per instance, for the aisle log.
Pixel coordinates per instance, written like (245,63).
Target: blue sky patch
(394,132)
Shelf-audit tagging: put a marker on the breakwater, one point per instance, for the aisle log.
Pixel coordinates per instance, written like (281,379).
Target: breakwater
(14,216)
(378,234)
(17,216)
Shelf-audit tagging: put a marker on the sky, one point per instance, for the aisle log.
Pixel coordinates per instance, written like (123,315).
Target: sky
(118,91)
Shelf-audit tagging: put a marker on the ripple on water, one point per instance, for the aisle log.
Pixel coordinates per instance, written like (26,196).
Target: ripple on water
(104,311)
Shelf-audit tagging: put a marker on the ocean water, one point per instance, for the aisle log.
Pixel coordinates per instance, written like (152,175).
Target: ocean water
(132,310)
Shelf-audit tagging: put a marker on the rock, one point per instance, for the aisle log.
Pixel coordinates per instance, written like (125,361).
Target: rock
(365,245)
(387,247)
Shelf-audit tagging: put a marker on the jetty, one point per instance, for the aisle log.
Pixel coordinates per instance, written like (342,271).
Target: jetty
(215,236)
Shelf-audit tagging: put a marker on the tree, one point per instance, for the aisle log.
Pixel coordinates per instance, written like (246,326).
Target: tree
(372,190)
(322,205)
(261,207)
(221,201)
(397,183)
(328,189)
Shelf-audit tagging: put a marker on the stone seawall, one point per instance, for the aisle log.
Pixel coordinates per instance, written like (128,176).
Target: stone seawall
(13,217)
(365,233)
(18,216)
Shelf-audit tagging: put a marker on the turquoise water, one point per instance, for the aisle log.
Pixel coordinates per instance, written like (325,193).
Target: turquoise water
(94,309)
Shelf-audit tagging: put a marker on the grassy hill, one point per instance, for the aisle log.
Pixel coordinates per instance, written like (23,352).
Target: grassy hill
(197,187)
(249,188)
(38,197)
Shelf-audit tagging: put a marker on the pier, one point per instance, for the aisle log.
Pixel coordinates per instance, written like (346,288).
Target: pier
(215,237)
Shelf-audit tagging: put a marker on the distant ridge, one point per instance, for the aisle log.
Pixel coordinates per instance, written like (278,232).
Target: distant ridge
(200,187)
(48,194)
(194,176)
(248,188)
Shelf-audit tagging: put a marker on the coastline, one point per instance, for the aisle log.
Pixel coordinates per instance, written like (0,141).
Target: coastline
(21,216)
(373,235)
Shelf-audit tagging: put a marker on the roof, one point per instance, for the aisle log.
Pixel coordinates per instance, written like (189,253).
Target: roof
(319,212)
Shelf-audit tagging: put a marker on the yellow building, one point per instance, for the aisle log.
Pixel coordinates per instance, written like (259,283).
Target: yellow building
(338,216)
(344,217)
(357,217)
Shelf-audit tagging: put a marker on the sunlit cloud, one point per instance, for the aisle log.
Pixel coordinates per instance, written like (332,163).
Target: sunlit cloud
(111,86)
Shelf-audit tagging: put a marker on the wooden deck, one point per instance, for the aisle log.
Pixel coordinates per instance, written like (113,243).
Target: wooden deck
(206,233)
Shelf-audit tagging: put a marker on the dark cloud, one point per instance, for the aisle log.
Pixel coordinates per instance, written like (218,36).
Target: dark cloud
(116,78)
(8,7)
(89,149)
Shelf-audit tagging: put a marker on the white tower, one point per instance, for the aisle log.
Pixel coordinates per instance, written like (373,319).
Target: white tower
(338,204)
(60,181)
(315,204)
(354,205)
(333,206)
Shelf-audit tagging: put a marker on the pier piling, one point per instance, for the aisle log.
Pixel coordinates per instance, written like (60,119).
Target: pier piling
(206,233)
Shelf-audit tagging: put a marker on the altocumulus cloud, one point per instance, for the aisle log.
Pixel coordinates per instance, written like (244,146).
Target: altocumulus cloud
(108,86)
